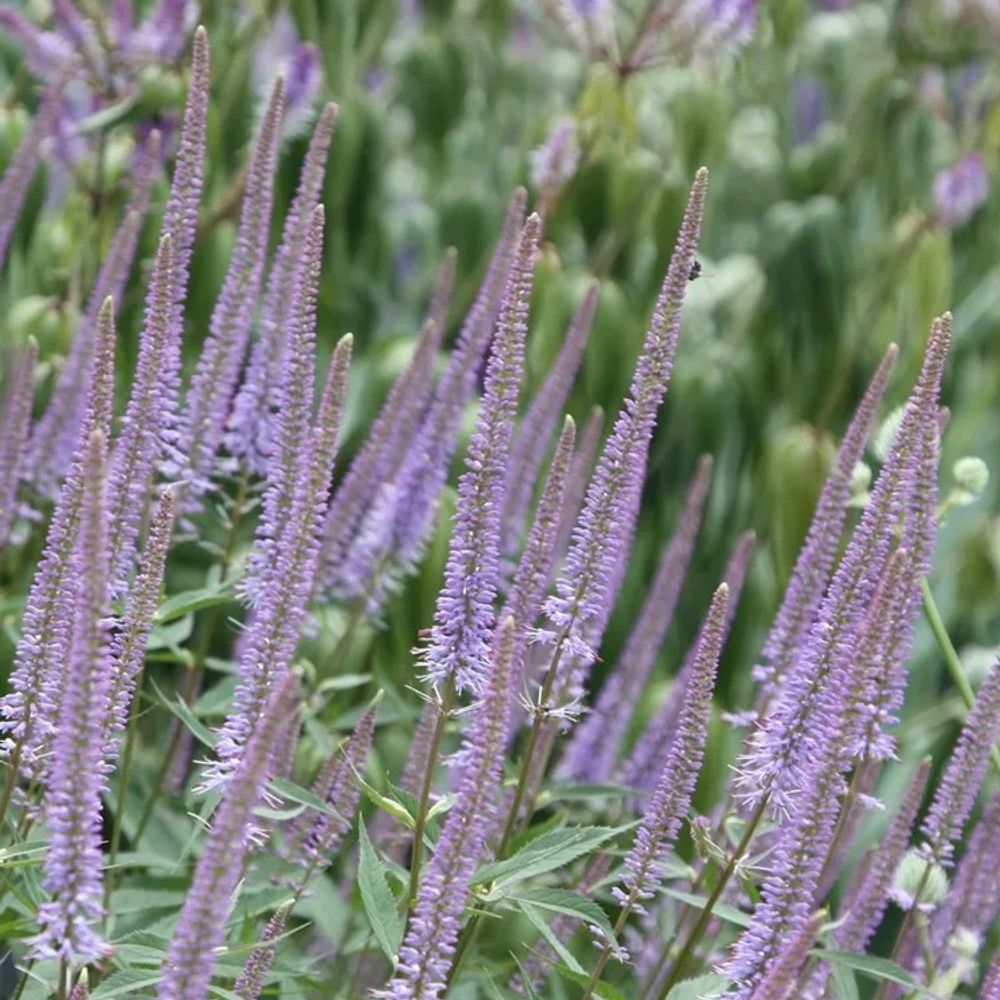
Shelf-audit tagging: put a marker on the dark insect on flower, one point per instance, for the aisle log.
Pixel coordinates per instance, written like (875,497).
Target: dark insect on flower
(695,270)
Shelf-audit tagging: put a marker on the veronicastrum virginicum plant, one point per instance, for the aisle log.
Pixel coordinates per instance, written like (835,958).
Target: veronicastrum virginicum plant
(540,791)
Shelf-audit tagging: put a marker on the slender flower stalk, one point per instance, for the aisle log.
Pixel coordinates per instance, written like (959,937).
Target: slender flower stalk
(392,431)
(781,748)
(671,799)
(17,177)
(206,409)
(536,428)
(593,749)
(426,954)
(401,514)
(290,572)
(29,710)
(818,554)
(959,785)
(461,637)
(251,981)
(187,970)
(72,876)
(54,436)
(15,419)
(579,477)
(252,426)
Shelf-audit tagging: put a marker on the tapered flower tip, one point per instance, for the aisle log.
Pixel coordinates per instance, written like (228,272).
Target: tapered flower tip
(199,53)
(154,146)
(568,427)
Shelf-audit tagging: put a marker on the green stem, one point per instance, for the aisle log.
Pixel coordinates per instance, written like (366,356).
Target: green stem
(11,782)
(694,935)
(951,660)
(904,928)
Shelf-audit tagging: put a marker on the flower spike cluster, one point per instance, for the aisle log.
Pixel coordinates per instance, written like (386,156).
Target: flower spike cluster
(462,634)
(73,877)
(187,969)
(15,419)
(593,749)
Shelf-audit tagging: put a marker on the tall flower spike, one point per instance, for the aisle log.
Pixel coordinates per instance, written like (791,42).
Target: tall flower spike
(215,378)
(781,748)
(251,424)
(55,434)
(535,430)
(138,446)
(578,477)
(991,983)
(401,514)
(315,837)
(963,774)
(868,892)
(76,775)
(819,550)
(187,970)
(780,981)
(426,954)
(385,446)
(289,574)
(251,981)
(654,746)
(462,634)
(17,177)
(675,787)
(15,419)
(129,644)
(29,710)
(598,551)
(295,409)
(593,749)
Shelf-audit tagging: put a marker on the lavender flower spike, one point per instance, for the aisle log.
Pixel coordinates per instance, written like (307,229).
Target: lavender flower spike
(959,785)
(138,446)
(251,424)
(15,418)
(819,550)
(672,797)
(76,776)
(460,641)
(426,954)
(29,710)
(535,430)
(578,477)
(593,749)
(991,983)
(217,373)
(130,643)
(17,177)
(187,970)
(251,981)
(779,983)
(54,436)
(598,551)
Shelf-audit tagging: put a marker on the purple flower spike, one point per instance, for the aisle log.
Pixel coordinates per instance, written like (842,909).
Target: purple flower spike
(281,51)
(187,970)
(959,785)
(15,419)
(203,421)
(426,954)
(579,477)
(48,55)
(29,711)
(675,787)
(140,443)
(17,177)
(647,759)
(784,973)
(960,190)
(314,837)
(252,422)
(55,434)
(593,749)
(251,981)
(819,550)
(991,984)
(596,558)
(401,515)
(129,645)
(385,447)
(462,634)
(535,430)
(76,772)
(288,574)
(782,747)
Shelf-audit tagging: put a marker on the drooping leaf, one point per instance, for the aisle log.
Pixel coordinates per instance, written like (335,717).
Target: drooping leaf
(380,904)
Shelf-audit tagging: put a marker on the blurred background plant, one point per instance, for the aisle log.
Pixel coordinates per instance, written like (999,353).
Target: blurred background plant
(852,149)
